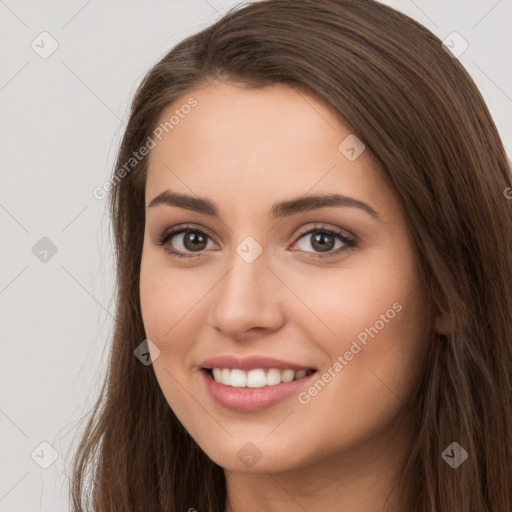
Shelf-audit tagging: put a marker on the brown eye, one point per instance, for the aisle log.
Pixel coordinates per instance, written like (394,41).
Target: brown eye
(183,242)
(193,241)
(323,242)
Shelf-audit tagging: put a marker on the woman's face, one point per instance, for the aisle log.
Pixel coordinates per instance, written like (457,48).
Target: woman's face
(331,286)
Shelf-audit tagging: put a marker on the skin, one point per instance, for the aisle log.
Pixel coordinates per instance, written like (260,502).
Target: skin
(245,150)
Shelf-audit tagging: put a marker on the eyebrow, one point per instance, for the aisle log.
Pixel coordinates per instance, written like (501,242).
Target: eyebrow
(279,210)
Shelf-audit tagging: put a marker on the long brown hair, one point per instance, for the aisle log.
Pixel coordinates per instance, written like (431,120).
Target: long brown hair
(424,121)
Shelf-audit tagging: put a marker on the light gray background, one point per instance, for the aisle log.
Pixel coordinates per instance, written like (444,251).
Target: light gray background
(61,121)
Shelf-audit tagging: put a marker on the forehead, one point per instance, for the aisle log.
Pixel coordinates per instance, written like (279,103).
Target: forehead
(273,142)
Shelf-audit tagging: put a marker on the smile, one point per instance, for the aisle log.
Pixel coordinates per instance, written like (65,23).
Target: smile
(256,378)
(254,390)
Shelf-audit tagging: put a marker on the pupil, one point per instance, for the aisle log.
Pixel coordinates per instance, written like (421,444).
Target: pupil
(320,244)
(194,238)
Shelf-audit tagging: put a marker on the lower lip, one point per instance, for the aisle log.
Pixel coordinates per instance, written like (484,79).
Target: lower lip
(251,399)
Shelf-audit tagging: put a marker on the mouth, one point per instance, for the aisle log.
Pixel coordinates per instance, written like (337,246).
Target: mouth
(256,378)
(255,390)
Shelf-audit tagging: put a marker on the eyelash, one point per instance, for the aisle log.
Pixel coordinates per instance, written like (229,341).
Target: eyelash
(350,243)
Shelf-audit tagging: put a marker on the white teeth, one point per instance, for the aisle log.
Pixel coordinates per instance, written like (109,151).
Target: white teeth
(217,374)
(273,377)
(256,378)
(300,373)
(238,379)
(288,375)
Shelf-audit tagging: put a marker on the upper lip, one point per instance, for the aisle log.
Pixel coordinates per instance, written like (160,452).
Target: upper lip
(250,363)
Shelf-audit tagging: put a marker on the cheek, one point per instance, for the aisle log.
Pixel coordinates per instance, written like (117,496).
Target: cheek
(345,300)
(171,302)
(153,297)
(374,315)
(158,299)
(393,336)
(166,305)
(383,371)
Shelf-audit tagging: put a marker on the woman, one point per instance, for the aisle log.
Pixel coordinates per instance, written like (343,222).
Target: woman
(314,249)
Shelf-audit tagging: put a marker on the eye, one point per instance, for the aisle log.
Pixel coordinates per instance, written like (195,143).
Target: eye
(324,240)
(187,239)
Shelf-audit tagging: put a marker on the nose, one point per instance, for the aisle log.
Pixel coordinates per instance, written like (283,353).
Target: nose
(247,301)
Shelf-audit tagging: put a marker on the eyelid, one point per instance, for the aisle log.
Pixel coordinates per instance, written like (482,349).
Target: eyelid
(179,228)
(318,226)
